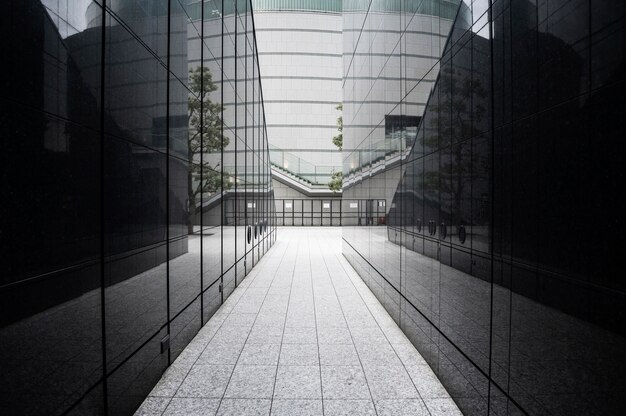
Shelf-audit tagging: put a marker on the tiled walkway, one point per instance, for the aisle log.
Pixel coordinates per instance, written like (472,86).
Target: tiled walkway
(301,335)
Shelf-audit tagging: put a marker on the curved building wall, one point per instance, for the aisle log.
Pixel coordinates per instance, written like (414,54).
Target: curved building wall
(300,56)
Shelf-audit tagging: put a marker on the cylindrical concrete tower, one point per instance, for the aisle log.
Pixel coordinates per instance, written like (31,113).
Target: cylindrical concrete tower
(300,58)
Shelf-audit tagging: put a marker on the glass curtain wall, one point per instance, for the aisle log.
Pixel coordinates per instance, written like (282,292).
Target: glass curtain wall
(135,192)
(500,252)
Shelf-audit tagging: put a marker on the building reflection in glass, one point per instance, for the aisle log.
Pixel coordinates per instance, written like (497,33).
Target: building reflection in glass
(499,254)
(134,160)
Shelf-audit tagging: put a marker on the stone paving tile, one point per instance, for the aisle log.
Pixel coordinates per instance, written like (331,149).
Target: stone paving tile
(299,354)
(344,382)
(244,407)
(300,327)
(300,336)
(406,353)
(259,354)
(240,319)
(426,382)
(403,407)
(220,353)
(265,334)
(171,380)
(297,321)
(377,354)
(205,381)
(390,382)
(328,335)
(368,335)
(297,407)
(298,382)
(442,407)
(232,334)
(395,336)
(192,407)
(272,319)
(331,320)
(338,354)
(251,382)
(152,406)
(349,408)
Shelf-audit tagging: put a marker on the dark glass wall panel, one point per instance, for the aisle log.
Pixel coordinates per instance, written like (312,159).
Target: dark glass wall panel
(509,288)
(50,302)
(120,151)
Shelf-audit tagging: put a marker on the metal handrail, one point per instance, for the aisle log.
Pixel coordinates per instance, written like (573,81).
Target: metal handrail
(300,168)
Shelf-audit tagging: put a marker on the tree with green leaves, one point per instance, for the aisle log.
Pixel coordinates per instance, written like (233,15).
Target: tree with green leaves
(336,180)
(338,139)
(205,136)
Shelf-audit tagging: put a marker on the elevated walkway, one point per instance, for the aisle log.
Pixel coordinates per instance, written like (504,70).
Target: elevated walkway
(301,185)
(300,175)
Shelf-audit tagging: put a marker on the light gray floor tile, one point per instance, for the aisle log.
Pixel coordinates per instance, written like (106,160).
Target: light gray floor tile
(377,354)
(240,319)
(328,335)
(259,354)
(295,321)
(349,408)
(331,320)
(296,407)
(426,382)
(265,335)
(270,319)
(152,406)
(298,382)
(220,353)
(401,407)
(244,407)
(187,358)
(390,382)
(300,336)
(205,381)
(338,354)
(277,301)
(409,355)
(231,334)
(442,407)
(368,335)
(192,407)
(244,306)
(170,381)
(344,382)
(361,320)
(251,382)
(395,335)
(305,296)
(299,354)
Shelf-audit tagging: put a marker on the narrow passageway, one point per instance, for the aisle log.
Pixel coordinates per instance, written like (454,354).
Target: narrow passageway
(301,335)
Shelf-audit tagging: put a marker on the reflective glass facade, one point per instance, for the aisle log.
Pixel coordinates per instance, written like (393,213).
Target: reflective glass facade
(136,193)
(501,250)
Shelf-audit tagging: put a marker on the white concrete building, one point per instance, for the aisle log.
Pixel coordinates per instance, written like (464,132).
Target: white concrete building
(300,59)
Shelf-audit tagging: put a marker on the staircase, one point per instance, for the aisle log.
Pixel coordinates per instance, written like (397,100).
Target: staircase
(301,175)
